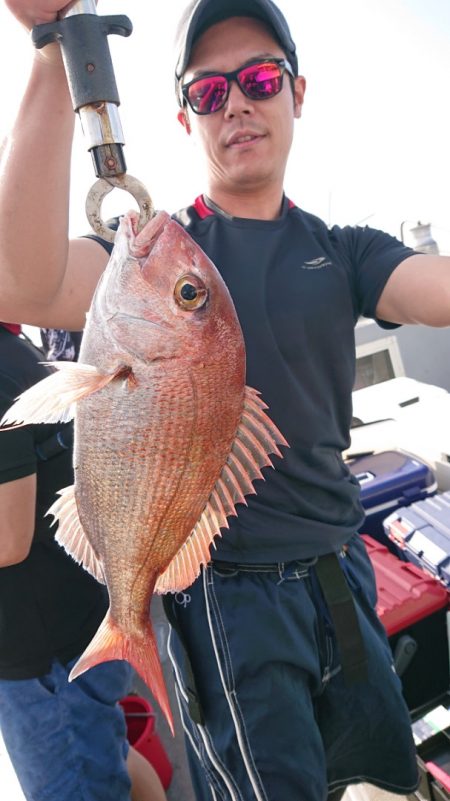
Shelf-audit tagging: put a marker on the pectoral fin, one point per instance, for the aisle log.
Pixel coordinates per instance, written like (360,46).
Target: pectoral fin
(256,437)
(71,534)
(53,399)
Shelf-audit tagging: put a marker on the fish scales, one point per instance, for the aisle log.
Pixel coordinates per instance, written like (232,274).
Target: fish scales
(163,474)
(168,439)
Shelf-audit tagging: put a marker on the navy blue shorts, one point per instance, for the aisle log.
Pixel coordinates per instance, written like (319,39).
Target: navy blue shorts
(68,742)
(280,721)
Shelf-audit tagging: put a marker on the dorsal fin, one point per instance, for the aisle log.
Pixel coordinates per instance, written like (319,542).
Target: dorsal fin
(256,437)
(71,534)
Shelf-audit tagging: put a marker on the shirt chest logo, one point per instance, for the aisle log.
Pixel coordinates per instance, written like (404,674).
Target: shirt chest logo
(316,264)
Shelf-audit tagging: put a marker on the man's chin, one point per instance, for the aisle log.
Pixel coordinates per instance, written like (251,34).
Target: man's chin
(249,177)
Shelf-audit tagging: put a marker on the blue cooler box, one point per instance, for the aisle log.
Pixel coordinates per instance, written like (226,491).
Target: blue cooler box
(390,480)
(422,534)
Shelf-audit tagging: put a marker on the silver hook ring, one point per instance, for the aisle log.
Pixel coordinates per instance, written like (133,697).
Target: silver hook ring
(101,188)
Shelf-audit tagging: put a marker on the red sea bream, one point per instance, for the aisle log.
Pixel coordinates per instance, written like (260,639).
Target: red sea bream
(167,436)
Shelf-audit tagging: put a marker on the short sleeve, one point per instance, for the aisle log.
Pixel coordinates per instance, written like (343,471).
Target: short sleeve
(372,256)
(17,447)
(113,223)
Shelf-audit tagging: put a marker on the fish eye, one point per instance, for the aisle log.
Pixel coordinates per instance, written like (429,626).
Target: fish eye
(190,292)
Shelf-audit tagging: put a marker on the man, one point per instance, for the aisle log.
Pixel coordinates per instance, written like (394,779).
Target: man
(65,741)
(285,676)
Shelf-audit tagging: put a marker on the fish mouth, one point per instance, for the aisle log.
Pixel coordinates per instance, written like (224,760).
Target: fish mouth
(146,239)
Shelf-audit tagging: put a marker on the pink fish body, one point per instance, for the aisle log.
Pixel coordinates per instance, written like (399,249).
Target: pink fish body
(167,436)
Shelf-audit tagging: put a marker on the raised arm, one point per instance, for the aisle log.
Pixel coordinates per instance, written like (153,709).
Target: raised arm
(45,279)
(418,291)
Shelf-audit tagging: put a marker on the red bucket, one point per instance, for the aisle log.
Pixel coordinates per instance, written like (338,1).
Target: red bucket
(141,734)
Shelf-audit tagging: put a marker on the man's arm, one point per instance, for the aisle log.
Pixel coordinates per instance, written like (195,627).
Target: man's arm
(45,279)
(418,291)
(18,510)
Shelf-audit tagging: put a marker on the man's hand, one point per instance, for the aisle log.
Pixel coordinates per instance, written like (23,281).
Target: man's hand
(34,12)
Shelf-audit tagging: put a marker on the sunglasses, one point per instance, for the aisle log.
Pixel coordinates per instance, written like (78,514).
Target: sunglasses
(258,81)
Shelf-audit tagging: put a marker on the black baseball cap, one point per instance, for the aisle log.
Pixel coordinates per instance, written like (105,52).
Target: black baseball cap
(201,14)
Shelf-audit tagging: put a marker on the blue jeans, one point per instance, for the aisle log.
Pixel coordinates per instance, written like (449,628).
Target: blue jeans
(67,742)
(280,720)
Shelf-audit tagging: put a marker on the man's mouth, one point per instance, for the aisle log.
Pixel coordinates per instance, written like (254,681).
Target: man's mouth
(240,140)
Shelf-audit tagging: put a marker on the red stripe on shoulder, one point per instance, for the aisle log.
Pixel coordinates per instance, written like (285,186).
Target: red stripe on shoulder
(291,204)
(13,327)
(201,208)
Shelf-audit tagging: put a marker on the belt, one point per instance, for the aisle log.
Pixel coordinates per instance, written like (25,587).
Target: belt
(292,567)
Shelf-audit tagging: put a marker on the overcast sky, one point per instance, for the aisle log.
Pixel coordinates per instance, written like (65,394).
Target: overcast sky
(373,142)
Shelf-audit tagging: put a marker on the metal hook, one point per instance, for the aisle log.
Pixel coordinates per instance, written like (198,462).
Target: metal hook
(102,187)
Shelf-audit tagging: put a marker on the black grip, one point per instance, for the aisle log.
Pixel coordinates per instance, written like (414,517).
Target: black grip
(83,39)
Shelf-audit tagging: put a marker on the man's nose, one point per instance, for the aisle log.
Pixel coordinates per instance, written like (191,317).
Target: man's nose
(237,102)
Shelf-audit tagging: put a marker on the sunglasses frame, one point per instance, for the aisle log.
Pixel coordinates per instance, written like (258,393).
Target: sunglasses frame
(282,63)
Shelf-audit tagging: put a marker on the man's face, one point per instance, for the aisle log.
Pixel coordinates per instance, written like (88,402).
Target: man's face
(247,142)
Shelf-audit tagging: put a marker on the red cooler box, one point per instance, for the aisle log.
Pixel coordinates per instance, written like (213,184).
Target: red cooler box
(412,607)
(389,480)
(141,733)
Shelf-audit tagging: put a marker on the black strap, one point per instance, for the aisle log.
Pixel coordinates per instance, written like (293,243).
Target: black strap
(195,709)
(61,441)
(341,606)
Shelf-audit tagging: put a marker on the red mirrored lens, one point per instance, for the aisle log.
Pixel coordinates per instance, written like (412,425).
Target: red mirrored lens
(208,94)
(258,81)
(261,81)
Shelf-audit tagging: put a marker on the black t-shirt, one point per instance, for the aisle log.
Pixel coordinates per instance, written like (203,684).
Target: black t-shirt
(299,289)
(50,607)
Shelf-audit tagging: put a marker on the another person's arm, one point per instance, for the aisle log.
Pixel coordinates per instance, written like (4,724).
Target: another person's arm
(145,782)
(17,519)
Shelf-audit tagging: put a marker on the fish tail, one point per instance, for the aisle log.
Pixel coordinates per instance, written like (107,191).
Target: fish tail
(139,649)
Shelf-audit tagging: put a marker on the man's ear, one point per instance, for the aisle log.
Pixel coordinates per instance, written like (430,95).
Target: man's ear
(299,93)
(184,120)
